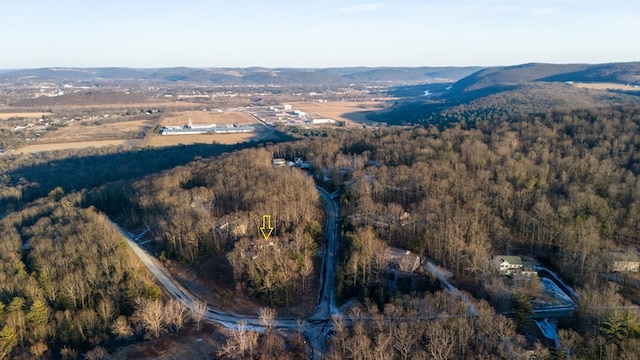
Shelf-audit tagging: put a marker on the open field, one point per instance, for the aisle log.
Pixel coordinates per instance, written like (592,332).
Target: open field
(353,113)
(206,117)
(66,108)
(172,140)
(26,115)
(87,131)
(607,86)
(70,145)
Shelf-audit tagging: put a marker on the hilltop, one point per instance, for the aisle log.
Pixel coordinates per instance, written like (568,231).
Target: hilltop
(496,79)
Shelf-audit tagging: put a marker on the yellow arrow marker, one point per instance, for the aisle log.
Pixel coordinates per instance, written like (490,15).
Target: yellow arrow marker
(266,228)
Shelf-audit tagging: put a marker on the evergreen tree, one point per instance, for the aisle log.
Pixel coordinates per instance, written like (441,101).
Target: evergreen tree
(39,313)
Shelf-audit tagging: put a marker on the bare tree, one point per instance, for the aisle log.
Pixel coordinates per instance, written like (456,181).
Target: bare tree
(267,317)
(405,340)
(240,343)
(176,314)
(38,349)
(197,311)
(441,340)
(151,315)
(382,346)
(98,353)
(68,353)
(306,269)
(121,327)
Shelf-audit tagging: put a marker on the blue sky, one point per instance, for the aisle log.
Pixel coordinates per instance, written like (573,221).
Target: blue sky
(329,33)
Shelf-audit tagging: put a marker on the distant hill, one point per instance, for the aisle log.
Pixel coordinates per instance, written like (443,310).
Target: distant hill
(245,76)
(511,90)
(496,79)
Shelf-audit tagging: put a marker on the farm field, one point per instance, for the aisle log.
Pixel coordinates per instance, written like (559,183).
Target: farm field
(87,131)
(26,115)
(172,140)
(353,113)
(206,117)
(70,145)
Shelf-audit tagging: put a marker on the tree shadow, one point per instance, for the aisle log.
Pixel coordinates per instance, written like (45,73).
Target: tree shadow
(78,172)
(362,117)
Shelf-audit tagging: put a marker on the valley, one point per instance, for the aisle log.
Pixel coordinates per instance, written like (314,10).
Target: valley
(498,219)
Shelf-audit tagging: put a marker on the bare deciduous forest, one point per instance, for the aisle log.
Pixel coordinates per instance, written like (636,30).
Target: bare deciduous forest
(559,186)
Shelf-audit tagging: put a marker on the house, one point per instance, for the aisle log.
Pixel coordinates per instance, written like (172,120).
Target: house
(403,260)
(507,265)
(279,162)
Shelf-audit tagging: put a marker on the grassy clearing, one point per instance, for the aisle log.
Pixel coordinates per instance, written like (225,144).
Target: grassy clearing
(172,140)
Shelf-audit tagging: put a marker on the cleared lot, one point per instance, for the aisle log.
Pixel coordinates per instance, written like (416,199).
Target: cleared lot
(353,113)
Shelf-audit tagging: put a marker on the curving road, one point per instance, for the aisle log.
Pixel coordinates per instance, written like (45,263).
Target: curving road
(316,327)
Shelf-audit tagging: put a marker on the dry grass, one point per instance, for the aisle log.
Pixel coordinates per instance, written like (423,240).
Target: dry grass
(86,131)
(26,115)
(607,86)
(206,117)
(172,140)
(70,145)
(188,344)
(353,113)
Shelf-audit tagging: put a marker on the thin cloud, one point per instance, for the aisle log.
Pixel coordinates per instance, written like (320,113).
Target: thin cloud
(529,9)
(360,7)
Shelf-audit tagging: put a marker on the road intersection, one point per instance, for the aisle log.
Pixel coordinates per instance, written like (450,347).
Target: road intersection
(316,327)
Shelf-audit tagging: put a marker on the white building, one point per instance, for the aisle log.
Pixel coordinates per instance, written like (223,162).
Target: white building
(322,121)
(507,265)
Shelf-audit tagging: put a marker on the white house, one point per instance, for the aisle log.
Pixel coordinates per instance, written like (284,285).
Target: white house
(507,265)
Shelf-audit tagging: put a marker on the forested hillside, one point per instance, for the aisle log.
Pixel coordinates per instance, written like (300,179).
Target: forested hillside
(505,105)
(70,285)
(562,187)
(437,326)
(215,207)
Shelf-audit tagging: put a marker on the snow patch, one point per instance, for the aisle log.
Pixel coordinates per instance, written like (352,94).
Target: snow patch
(552,289)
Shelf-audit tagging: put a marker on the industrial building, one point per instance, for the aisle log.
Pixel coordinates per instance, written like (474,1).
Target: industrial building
(191,129)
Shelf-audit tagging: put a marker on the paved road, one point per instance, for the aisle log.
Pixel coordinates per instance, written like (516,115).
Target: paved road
(316,327)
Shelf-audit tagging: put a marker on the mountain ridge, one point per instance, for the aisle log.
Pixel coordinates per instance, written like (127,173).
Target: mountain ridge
(245,76)
(498,78)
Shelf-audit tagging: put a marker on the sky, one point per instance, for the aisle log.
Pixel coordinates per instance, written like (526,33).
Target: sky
(309,33)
